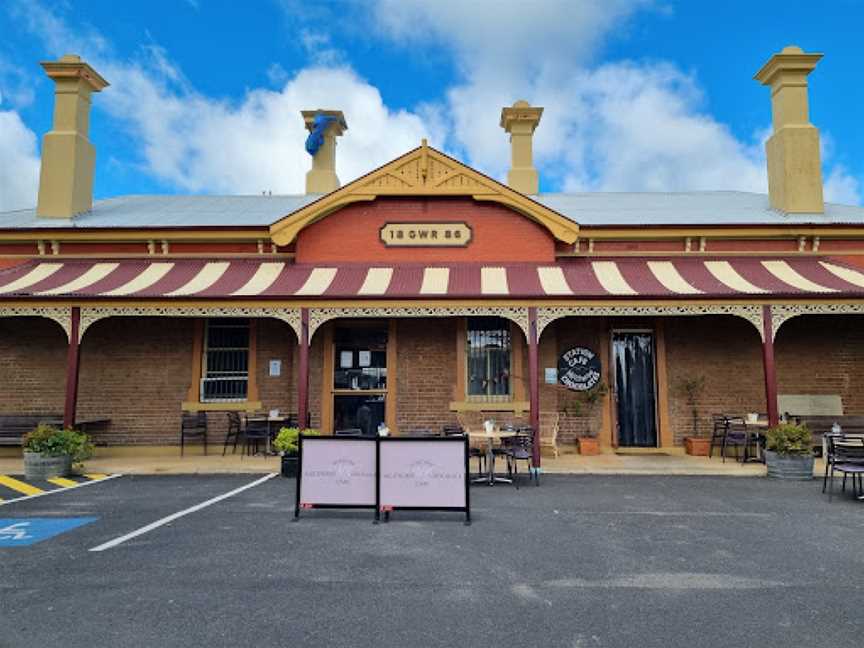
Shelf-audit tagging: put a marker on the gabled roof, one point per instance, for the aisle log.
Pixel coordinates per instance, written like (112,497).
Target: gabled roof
(425,171)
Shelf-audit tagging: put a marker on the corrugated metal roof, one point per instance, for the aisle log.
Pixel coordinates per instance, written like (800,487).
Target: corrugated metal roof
(169,211)
(597,208)
(688,208)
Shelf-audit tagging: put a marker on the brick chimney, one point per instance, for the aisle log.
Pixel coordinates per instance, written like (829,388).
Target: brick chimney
(794,165)
(520,120)
(321,178)
(68,157)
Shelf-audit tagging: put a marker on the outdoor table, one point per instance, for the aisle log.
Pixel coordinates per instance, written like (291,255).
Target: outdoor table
(490,438)
(754,430)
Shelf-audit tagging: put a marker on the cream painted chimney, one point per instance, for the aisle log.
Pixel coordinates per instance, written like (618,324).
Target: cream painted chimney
(520,120)
(321,178)
(794,165)
(68,157)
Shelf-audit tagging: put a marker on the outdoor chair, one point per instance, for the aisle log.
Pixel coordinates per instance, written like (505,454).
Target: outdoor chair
(349,432)
(474,450)
(736,435)
(846,455)
(451,430)
(718,432)
(521,448)
(234,432)
(193,424)
(550,440)
(423,432)
(256,431)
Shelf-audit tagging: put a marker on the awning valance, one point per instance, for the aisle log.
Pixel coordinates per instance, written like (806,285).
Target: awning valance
(582,278)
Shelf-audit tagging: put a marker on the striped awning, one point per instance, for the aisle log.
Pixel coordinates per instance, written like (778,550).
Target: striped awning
(580,278)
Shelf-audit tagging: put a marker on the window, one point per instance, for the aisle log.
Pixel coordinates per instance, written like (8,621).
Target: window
(225,366)
(488,356)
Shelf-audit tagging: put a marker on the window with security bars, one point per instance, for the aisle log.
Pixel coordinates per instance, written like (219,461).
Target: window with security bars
(225,366)
(488,355)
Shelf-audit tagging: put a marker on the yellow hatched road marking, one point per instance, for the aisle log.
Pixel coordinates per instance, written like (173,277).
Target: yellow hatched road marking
(21,487)
(62,481)
(95,475)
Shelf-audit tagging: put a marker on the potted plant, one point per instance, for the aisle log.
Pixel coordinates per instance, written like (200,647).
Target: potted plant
(789,452)
(52,452)
(287,443)
(691,389)
(579,404)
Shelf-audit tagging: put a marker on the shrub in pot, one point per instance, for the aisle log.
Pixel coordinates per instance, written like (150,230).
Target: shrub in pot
(789,452)
(52,452)
(287,443)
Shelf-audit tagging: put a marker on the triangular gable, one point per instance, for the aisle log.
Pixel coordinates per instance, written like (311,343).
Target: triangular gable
(424,171)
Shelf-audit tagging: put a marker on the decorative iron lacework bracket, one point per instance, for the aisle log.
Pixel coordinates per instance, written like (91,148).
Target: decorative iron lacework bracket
(782,313)
(318,316)
(548,314)
(89,316)
(61,315)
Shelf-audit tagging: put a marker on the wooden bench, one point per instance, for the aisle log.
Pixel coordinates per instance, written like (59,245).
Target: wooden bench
(13,427)
(820,424)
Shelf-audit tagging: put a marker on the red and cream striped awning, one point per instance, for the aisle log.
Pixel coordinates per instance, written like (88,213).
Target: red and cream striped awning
(579,278)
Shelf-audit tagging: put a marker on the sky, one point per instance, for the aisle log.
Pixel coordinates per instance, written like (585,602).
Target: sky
(638,95)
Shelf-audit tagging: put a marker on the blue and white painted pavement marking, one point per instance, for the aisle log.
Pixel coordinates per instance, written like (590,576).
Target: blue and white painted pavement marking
(20,532)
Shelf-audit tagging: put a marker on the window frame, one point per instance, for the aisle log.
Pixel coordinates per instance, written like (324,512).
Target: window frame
(205,349)
(509,397)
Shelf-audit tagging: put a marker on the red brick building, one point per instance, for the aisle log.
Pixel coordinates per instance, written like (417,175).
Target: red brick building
(426,291)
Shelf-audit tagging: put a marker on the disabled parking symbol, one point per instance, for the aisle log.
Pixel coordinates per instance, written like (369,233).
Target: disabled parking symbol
(21,532)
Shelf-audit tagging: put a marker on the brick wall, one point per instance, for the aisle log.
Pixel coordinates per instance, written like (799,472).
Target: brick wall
(559,336)
(32,366)
(426,373)
(351,234)
(136,371)
(727,351)
(822,355)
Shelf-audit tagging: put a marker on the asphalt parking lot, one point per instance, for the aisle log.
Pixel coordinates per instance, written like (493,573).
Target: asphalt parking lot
(579,561)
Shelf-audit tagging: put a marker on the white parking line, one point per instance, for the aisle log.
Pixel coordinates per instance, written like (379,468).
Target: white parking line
(60,490)
(158,523)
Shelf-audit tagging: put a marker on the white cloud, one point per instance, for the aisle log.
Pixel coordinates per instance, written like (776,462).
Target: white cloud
(19,163)
(621,126)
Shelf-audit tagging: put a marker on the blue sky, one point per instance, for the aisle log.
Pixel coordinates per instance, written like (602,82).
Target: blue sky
(639,95)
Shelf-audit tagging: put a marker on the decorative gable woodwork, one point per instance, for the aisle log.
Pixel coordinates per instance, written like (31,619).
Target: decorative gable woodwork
(425,172)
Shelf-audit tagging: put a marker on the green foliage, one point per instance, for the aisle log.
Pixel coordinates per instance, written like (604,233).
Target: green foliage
(51,441)
(691,388)
(789,439)
(574,403)
(287,439)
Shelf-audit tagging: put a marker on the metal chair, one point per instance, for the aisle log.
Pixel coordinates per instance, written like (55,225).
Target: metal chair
(423,432)
(234,432)
(255,431)
(736,435)
(718,432)
(521,448)
(349,432)
(847,456)
(193,424)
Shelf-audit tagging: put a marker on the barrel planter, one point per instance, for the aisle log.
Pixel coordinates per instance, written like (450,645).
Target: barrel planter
(795,467)
(41,466)
(289,466)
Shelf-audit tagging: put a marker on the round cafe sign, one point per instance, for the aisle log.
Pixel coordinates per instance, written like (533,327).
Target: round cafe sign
(579,369)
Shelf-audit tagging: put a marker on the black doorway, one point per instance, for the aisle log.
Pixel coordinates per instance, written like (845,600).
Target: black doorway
(633,354)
